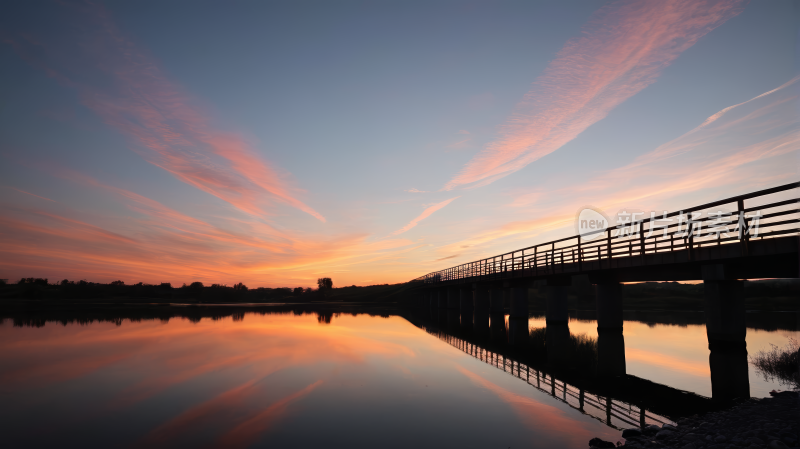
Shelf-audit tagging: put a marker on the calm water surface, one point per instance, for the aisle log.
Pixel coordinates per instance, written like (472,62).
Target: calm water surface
(296,380)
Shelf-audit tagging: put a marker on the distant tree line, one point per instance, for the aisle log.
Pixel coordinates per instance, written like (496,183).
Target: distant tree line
(42,288)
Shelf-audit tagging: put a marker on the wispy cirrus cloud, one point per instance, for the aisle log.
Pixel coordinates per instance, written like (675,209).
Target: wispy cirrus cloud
(156,243)
(623,49)
(32,194)
(413,190)
(128,90)
(743,147)
(464,139)
(425,214)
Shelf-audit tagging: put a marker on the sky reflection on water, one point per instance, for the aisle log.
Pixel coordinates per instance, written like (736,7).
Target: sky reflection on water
(282,380)
(289,380)
(677,354)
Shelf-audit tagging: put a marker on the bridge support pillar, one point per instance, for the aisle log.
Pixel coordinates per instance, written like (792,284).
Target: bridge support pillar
(498,327)
(480,323)
(557,342)
(610,341)
(481,296)
(557,320)
(441,295)
(726,331)
(609,306)
(453,299)
(480,317)
(467,302)
(496,300)
(466,307)
(556,311)
(519,301)
(453,321)
(518,329)
(725,314)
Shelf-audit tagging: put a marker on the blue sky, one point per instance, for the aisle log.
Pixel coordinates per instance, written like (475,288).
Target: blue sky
(274,143)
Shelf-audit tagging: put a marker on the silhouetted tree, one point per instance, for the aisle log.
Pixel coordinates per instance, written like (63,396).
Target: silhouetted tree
(324,317)
(118,283)
(240,286)
(325,285)
(298,291)
(35,281)
(197,285)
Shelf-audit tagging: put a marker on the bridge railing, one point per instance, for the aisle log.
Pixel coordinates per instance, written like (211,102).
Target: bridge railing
(767,217)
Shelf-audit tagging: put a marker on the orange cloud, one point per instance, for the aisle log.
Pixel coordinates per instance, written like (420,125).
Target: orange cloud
(425,214)
(160,244)
(622,50)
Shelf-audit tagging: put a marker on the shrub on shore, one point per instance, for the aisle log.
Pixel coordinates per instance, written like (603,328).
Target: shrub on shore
(781,364)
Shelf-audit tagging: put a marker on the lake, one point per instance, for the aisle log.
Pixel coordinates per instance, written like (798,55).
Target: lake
(345,376)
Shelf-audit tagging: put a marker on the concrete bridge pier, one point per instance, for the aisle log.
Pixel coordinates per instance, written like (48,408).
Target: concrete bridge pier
(557,343)
(480,318)
(496,300)
(519,300)
(481,296)
(497,314)
(442,298)
(498,327)
(729,375)
(610,341)
(556,310)
(453,298)
(518,333)
(466,307)
(466,300)
(557,320)
(453,321)
(726,331)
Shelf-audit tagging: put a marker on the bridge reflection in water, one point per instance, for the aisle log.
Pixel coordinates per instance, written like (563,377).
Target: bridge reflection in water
(605,391)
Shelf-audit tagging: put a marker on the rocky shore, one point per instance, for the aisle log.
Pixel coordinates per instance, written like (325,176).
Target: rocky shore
(772,423)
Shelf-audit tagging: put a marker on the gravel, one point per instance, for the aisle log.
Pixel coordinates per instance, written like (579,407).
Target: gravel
(772,423)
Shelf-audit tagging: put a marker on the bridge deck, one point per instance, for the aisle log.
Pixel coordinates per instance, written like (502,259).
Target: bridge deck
(758,241)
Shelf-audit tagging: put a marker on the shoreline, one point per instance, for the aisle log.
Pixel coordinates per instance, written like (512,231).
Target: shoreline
(772,423)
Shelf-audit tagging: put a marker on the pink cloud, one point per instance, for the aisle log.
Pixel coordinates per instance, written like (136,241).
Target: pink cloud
(164,124)
(623,49)
(744,147)
(425,214)
(32,194)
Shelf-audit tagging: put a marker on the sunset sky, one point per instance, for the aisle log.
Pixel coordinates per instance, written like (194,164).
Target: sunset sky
(273,143)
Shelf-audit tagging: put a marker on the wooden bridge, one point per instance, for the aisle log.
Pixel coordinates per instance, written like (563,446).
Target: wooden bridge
(751,236)
(761,242)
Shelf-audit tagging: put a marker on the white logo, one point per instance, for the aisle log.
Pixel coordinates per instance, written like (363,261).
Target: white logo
(590,223)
